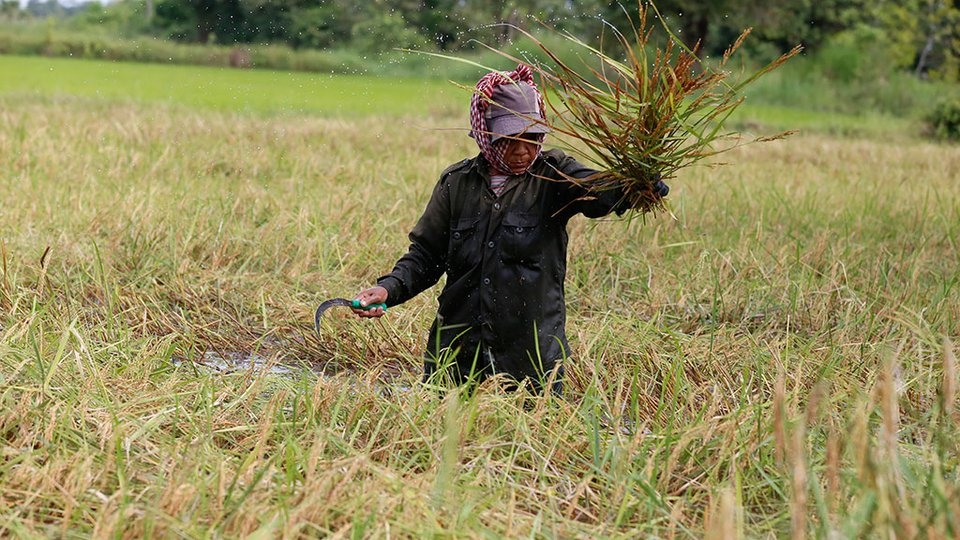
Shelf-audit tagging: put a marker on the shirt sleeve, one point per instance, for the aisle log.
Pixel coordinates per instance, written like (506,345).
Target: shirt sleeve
(425,261)
(575,199)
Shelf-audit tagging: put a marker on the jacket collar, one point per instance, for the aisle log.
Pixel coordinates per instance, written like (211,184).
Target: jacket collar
(481,167)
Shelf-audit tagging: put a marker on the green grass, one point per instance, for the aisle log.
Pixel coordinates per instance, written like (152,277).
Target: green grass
(223,89)
(762,119)
(777,358)
(278,92)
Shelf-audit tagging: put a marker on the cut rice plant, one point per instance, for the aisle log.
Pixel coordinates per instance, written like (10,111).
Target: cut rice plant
(640,111)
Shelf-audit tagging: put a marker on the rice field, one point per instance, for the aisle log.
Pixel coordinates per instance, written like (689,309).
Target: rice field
(774,357)
(222,89)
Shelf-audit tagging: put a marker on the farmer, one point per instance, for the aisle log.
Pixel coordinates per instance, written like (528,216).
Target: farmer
(496,225)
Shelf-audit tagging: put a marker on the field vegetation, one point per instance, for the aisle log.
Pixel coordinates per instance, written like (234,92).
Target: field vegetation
(259,92)
(775,356)
(866,57)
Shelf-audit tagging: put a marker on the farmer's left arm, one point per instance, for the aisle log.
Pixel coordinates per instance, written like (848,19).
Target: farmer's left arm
(425,262)
(576,199)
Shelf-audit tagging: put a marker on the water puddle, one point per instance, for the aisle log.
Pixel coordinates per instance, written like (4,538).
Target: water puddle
(241,362)
(232,362)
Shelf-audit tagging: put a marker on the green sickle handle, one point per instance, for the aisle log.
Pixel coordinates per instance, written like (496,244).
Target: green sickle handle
(355,304)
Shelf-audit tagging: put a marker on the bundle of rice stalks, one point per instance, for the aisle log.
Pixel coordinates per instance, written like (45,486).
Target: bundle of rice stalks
(641,112)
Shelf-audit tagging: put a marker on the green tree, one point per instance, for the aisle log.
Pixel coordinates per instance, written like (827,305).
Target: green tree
(938,23)
(385,31)
(495,23)
(435,21)
(329,24)
(713,26)
(922,35)
(9,9)
(202,21)
(219,20)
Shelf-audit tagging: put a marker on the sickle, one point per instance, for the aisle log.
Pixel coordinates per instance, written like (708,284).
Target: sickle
(324,306)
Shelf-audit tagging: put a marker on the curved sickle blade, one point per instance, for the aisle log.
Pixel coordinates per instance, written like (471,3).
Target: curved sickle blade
(324,307)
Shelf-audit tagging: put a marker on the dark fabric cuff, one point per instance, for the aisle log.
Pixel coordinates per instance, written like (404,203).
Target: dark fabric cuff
(394,288)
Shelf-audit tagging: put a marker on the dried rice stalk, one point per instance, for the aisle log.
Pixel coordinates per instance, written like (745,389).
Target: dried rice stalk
(647,115)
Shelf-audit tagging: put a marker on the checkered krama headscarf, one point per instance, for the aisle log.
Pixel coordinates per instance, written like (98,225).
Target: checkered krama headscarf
(494,151)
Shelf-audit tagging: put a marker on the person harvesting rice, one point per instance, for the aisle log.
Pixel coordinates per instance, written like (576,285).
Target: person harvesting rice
(496,225)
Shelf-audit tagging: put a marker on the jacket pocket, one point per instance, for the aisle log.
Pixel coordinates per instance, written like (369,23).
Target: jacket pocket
(520,237)
(463,245)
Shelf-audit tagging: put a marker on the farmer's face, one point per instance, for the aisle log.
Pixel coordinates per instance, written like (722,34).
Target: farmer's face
(521,152)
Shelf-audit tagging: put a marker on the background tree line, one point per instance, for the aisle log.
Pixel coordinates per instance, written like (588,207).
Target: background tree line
(922,36)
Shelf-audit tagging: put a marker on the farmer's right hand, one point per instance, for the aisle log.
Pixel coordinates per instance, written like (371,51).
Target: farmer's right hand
(661,189)
(373,295)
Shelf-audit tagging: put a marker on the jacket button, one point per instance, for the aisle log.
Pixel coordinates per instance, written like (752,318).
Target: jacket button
(486,281)
(519,229)
(496,206)
(490,244)
(456,236)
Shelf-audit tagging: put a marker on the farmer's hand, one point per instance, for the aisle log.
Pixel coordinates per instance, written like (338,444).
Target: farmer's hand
(373,295)
(661,189)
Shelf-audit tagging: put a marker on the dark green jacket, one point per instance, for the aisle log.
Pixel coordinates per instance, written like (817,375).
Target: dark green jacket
(505,259)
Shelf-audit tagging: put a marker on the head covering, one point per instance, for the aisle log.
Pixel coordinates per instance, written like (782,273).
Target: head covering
(515,109)
(504,104)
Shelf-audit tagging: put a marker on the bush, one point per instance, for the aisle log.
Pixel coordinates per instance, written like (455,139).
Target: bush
(943,122)
(43,40)
(384,33)
(862,53)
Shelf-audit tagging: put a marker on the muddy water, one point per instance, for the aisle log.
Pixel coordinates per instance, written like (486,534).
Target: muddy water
(236,362)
